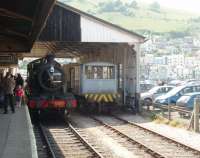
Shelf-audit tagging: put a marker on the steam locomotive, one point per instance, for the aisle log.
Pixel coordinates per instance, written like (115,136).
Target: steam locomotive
(45,87)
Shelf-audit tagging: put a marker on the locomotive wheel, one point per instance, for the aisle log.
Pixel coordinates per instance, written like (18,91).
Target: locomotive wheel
(40,78)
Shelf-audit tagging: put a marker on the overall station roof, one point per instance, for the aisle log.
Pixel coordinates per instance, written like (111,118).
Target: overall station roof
(21,21)
(70,32)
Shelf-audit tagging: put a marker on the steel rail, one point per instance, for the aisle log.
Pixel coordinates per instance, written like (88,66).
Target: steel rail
(158,134)
(75,132)
(47,141)
(147,149)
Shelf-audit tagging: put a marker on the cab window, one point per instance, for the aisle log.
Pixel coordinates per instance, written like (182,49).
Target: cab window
(100,72)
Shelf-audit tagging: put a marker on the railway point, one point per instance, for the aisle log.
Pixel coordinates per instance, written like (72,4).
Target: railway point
(82,95)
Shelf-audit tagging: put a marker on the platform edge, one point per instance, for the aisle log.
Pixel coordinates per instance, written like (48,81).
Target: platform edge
(34,153)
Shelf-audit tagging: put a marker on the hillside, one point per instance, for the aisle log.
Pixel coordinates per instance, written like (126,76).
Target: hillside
(139,17)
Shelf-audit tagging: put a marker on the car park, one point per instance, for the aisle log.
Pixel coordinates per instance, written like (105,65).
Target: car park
(172,96)
(150,95)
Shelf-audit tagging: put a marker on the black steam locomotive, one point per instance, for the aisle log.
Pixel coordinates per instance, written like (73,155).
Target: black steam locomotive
(45,87)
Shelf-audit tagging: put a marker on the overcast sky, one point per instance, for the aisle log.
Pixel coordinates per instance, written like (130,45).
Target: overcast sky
(190,5)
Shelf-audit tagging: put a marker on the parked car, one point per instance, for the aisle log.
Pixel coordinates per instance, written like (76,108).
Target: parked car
(187,100)
(146,85)
(176,83)
(192,82)
(150,95)
(172,96)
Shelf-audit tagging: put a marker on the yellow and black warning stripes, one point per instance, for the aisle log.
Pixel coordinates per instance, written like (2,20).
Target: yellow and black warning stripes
(107,97)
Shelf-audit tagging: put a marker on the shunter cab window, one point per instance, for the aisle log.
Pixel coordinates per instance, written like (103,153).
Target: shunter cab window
(100,72)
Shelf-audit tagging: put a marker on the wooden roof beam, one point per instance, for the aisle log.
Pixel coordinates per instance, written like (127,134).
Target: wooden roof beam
(12,32)
(43,10)
(72,51)
(13,44)
(63,53)
(49,47)
(10,14)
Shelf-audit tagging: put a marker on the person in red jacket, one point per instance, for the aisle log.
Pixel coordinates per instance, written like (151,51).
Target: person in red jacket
(19,93)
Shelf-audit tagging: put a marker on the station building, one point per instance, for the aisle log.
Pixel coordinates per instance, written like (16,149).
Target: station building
(71,33)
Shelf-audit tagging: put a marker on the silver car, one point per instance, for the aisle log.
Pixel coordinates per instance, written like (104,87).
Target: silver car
(150,95)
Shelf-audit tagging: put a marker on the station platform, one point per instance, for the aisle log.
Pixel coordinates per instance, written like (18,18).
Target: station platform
(16,135)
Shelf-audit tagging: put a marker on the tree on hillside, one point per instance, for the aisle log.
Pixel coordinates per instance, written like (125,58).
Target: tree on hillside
(134,5)
(113,6)
(155,6)
(107,7)
(67,1)
(195,19)
(118,3)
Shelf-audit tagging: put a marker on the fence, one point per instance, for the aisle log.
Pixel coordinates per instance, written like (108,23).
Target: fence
(171,112)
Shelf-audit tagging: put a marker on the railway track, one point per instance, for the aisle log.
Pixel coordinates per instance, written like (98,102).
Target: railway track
(120,142)
(62,141)
(137,148)
(44,149)
(105,152)
(69,141)
(153,142)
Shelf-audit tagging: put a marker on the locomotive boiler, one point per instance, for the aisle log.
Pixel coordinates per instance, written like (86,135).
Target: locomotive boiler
(45,87)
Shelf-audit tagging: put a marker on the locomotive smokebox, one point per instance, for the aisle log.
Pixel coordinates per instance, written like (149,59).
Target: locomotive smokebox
(46,75)
(50,75)
(50,58)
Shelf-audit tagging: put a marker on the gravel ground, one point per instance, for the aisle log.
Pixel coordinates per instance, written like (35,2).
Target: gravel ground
(103,141)
(152,141)
(181,135)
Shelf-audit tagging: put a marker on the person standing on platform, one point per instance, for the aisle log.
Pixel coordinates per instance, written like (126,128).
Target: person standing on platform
(19,80)
(1,91)
(9,85)
(19,93)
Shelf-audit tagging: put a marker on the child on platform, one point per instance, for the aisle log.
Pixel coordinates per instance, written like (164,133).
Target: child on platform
(19,93)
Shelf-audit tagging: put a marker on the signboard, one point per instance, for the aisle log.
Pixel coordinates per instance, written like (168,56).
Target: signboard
(8,59)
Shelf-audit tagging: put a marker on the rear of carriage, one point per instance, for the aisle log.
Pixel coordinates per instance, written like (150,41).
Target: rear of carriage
(45,88)
(96,84)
